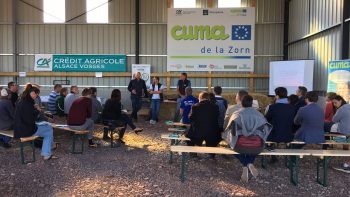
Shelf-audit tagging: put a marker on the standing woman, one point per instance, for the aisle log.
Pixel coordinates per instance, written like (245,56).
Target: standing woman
(156,92)
(26,115)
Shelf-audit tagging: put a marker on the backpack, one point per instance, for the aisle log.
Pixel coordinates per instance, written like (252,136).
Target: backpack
(160,95)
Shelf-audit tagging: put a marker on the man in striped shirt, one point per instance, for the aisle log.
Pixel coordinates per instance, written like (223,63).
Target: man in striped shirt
(53,97)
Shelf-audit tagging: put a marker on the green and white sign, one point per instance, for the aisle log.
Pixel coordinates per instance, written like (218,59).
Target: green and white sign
(220,39)
(80,63)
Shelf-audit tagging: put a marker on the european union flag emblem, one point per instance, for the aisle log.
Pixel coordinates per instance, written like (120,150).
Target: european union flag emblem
(241,32)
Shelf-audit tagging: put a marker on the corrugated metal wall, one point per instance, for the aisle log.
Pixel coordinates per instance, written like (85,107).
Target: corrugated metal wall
(119,37)
(308,17)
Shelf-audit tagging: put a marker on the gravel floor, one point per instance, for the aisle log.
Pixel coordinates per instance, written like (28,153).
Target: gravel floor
(141,168)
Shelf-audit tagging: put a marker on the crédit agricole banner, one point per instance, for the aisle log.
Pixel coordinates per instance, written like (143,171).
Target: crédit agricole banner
(211,39)
(80,62)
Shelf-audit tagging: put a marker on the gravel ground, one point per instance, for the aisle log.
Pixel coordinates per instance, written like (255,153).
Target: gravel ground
(141,168)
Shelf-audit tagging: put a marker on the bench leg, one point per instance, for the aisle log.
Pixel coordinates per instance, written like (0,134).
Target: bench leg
(294,169)
(112,142)
(75,137)
(22,145)
(183,167)
(263,162)
(325,162)
(172,142)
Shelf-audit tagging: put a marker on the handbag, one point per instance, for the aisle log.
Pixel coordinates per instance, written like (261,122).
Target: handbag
(249,144)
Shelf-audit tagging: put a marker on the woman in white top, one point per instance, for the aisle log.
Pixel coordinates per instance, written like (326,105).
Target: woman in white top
(156,95)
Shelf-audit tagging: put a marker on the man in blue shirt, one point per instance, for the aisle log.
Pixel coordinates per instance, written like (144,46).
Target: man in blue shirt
(53,97)
(186,105)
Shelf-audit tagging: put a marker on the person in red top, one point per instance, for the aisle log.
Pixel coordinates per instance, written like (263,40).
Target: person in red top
(79,116)
(329,110)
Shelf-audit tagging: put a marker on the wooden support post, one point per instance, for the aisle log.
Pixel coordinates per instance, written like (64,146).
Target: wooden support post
(209,81)
(170,3)
(210,3)
(168,81)
(251,85)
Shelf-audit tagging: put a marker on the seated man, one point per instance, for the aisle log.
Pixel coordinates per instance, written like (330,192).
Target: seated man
(186,105)
(7,116)
(281,116)
(222,104)
(79,116)
(233,108)
(96,106)
(204,123)
(53,97)
(310,118)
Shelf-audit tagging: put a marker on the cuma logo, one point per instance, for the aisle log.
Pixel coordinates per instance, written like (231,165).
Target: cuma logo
(43,62)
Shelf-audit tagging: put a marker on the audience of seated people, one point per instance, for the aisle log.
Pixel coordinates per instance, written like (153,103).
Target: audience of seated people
(112,114)
(28,117)
(7,116)
(310,118)
(26,121)
(186,104)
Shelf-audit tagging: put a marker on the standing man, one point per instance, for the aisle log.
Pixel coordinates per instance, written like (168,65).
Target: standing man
(137,88)
(70,98)
(182,84)
(53,97)
(12,86)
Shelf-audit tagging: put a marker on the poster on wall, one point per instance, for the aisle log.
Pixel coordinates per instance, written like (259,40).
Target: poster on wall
(80,63)
(211,39)
(145,70)
(339,78)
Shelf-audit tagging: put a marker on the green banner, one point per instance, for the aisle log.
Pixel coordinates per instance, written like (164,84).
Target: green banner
(88,63)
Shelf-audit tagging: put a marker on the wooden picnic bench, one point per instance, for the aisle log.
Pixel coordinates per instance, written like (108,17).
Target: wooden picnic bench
(24,141)
(295,154)
(76,135)
(175,139)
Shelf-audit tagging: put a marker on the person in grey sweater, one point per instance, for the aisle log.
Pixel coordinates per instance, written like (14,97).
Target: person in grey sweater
(70,98)
(244,123)
(342,115)
(96,106)
(7,116)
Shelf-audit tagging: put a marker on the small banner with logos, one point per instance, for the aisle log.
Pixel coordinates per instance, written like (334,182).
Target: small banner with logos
(220,39)
(145,70)
(80,63)
(339,78)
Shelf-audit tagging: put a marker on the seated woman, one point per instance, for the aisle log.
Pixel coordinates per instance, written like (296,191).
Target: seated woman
(247,125)
(26,115)
(329,111)
(60,102)
(341,118)
(112,114)
(7,116)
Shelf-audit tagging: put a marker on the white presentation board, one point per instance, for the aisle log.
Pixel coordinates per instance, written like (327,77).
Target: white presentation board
(291,74)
